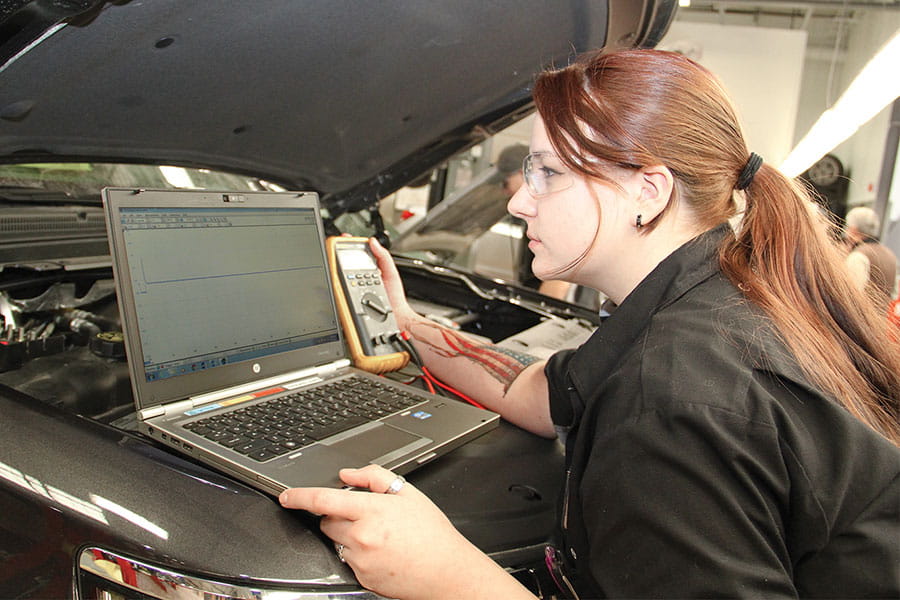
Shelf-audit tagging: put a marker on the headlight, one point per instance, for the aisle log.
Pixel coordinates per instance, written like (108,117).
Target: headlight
(105,575)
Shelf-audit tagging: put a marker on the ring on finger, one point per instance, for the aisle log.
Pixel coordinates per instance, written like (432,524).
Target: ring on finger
(339,548)
(396,485)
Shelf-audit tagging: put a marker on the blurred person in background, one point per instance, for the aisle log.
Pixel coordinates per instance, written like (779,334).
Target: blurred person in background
(872,265)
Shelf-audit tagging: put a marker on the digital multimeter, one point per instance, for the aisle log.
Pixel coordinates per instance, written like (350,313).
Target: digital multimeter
(363,307)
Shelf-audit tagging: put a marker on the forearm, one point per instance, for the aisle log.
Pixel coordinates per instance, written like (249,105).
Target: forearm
(512,384)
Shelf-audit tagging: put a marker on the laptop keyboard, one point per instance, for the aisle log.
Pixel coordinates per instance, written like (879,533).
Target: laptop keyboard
(275,427)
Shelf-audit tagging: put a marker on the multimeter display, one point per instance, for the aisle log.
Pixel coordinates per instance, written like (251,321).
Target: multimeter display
(355,259)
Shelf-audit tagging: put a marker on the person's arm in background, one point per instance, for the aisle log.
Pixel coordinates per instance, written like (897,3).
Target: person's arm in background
(555,288)
(499,380)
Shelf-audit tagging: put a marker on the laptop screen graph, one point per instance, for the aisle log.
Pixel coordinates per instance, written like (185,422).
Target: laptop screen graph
(243,285)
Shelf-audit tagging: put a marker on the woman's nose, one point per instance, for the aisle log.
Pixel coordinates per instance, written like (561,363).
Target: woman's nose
(521,204)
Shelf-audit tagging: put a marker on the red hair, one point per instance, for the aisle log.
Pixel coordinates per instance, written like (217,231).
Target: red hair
(634,108)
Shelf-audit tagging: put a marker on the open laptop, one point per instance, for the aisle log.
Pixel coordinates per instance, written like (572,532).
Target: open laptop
(235,350)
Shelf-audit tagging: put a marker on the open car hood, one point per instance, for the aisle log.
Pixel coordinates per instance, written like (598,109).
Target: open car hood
(350,99)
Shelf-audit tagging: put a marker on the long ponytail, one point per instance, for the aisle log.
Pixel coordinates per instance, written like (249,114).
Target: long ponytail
(783,260)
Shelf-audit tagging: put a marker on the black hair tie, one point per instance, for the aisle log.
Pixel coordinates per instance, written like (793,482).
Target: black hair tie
(746,177)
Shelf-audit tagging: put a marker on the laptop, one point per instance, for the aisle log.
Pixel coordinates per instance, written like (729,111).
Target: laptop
(235,350)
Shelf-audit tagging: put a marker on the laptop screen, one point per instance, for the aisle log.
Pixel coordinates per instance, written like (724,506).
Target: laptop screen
(218,290)
(242,285)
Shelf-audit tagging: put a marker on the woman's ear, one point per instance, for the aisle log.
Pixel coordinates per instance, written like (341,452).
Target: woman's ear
(655,191)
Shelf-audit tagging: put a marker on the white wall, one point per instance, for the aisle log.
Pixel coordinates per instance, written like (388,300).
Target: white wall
(760,67)
(819,68)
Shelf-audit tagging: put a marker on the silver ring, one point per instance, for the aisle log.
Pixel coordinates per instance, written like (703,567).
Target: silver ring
(396,485)
(339,548)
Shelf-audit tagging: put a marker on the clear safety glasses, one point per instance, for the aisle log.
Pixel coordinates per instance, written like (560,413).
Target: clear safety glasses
(545,173)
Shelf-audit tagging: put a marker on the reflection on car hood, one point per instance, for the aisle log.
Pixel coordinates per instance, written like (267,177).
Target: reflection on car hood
(351,99)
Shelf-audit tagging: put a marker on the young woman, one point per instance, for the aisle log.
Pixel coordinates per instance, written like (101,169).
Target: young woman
(731,430)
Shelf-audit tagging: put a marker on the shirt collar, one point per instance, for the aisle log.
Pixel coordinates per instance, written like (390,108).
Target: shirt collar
(687,267)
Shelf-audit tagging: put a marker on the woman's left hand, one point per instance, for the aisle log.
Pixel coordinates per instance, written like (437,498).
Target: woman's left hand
(398,543)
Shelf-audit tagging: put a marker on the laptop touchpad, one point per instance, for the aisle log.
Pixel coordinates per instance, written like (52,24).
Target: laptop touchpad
(380,444)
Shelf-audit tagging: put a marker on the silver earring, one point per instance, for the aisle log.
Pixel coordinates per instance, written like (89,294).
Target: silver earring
(637,222)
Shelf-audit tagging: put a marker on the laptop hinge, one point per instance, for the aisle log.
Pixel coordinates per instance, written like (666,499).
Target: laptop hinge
(154,411)
(257,385)
(167,409)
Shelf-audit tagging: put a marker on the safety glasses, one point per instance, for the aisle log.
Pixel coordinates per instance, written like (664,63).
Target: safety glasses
(545,173)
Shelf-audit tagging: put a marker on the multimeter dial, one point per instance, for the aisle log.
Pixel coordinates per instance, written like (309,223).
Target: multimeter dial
(374,307)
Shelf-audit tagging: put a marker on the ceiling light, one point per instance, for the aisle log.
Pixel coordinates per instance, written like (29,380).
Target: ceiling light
(876,86)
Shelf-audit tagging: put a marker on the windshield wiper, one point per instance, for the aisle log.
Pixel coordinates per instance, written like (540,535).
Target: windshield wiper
(30,195)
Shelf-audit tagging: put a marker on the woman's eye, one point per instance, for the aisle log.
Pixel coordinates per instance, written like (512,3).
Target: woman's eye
(547,172)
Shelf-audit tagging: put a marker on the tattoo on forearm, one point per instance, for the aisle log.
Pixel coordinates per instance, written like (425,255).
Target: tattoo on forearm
(501,364)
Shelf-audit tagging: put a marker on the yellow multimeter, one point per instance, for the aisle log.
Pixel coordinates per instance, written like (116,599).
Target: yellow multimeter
(363,307)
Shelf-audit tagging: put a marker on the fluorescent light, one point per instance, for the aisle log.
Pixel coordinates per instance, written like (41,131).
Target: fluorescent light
(684,3)
(876,86)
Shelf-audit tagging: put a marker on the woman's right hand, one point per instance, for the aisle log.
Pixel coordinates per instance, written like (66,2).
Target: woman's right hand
(398,543)
(393,285)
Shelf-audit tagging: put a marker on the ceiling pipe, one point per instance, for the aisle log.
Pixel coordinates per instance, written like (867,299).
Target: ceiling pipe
(719,5)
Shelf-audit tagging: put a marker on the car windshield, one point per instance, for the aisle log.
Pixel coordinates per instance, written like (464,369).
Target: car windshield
(67,182)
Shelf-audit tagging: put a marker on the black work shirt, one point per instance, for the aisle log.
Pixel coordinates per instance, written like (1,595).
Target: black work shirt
(703,464)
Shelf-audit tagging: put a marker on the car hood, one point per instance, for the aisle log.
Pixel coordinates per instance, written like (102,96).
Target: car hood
(350,99)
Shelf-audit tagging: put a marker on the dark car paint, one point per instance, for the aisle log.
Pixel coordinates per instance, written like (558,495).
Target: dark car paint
(350,99)
(198,521)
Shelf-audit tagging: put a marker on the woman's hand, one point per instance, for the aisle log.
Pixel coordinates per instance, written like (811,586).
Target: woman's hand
(400,544)
(393,285)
